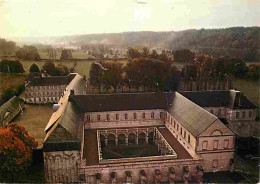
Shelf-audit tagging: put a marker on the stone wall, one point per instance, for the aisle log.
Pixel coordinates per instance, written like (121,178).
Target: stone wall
(43,94)
(61,166)
(216,146)
(121,122)
(102,173)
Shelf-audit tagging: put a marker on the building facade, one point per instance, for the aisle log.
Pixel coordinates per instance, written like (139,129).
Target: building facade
(189,139)
(46,89)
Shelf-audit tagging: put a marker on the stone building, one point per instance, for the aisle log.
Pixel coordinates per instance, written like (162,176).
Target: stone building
(232,107)
(9,110)
(84,137)
(47,89)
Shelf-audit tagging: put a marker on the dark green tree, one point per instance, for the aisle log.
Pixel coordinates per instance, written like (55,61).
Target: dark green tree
(34,68)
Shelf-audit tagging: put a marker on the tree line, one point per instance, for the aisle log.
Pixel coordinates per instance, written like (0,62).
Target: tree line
(153,71)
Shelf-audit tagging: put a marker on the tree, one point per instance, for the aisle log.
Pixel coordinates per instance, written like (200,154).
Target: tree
(96,75)
(49,68)
(8,66)
(28,53)
(184,56)
(62,70)
(15,151)
(34,68)
(113,75)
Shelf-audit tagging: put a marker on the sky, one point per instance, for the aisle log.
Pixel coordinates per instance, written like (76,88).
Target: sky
(40,18)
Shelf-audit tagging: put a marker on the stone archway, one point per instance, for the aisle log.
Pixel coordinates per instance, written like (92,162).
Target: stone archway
(121,139)
(111,140)
(141,138)
(131,138)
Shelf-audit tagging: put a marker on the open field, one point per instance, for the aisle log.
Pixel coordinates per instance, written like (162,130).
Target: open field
(82,67)
(35,119)
(249,87)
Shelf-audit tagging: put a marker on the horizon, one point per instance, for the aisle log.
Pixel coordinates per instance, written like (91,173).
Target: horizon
(39,19)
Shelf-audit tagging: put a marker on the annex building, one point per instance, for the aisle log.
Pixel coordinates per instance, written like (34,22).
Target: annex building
(46,89)
(143,137)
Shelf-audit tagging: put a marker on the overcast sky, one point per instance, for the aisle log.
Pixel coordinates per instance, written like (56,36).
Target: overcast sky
(33,18)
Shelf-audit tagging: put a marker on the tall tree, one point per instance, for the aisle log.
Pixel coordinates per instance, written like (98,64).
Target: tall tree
(9,66)
(34,68)
(49,68)
(96,75)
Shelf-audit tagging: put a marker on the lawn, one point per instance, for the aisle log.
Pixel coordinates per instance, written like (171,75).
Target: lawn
(142,150)
(249,87)
(35,119)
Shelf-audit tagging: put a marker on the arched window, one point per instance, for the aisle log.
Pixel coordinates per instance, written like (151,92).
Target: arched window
(143,116)
(216,132)
(161,114)
(126,116)
(108,117)
(98,117)
(88,118)
(117,116)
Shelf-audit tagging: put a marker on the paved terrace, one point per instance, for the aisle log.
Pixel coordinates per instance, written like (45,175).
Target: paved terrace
(178,148)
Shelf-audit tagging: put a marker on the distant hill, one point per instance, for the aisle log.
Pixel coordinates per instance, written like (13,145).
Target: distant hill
(242,42)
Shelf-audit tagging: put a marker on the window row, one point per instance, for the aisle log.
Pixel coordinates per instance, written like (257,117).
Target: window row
(250,114)
(215,144)
(47,99)
(181,130)
(219,112)
(125,116)
(44,94)
(46,87)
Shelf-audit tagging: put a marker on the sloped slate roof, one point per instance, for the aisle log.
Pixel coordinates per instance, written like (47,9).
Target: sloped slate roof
(193,117)
(218,98)
(52,80)
(67,131)
(120,102)
(9,106)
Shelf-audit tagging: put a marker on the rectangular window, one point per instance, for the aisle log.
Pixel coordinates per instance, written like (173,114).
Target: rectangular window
(88,118)
(135,116)
(177,127)
(143,116)
(211,111)
(237,114)
(215,144)
(152,115)
(171,121)
(181,130)
(219,112)
(250,114)
(189,138)
(204,145)
(117,116)
(161,114)
(98,117)
(226,143)
(108,117)
(243,114)
(215,163)
(174,124)
(184,134)
(126,116)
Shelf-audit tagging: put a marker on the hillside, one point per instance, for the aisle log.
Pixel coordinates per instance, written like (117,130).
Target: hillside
(236,41)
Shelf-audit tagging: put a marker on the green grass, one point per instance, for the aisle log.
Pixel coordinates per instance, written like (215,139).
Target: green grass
(35,119)
(249,87)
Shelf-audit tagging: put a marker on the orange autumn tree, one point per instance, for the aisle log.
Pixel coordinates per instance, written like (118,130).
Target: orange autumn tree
(15,150)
